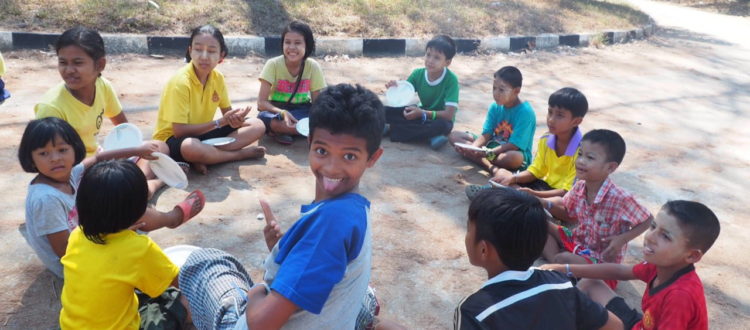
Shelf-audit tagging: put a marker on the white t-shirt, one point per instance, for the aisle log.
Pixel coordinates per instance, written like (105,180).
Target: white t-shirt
(47,212)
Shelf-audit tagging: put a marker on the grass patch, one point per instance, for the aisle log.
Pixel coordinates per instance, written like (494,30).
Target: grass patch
(354,18)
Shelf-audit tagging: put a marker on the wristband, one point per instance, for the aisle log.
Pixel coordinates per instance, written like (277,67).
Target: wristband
(568,272)
(216,123)
(434,115)
(424,117)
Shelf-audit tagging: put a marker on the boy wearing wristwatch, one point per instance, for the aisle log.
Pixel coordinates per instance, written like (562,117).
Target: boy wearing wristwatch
(508,129)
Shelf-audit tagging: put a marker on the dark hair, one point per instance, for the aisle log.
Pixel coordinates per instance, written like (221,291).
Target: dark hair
(570,99)
(348,109)
(510,75)
(112,196)
(306,32)
(612,142)
(88,39)
(512,221)
(39,132)
(212,31)
(443,44)
(700,224)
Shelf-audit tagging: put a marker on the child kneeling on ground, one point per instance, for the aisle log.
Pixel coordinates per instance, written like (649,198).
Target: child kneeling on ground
(674,299)
(506,231)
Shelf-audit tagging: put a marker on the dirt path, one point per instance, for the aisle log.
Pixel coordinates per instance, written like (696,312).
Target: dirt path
(679,99)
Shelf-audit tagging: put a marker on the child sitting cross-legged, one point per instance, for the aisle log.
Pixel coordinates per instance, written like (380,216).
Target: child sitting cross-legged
(607,216)
(508,130)
(506,231)
(674,299)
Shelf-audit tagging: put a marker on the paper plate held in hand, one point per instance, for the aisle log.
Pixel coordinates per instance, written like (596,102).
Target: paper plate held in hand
(219,141)
(123,136)
(178,254)
(400,95)
(497,184)
(168,171)
(303,126)
(468,146)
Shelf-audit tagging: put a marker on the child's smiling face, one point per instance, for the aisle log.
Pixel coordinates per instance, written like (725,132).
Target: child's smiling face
(592,163)
(338,162)
(435,61)
(294,46)
(54,160)
(665,244)
(77,68)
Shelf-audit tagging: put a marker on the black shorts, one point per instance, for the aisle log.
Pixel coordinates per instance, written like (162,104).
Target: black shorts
(299,111)
(627,315)
(174,143)
(537,185)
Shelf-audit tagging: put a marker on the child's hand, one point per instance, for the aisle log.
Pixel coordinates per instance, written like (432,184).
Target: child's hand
(390,84)
(289,120)
(505,180)
(557,267)
(613,249)
(412,112)
(236,117)
(146,150)
(271,232)
(137,225)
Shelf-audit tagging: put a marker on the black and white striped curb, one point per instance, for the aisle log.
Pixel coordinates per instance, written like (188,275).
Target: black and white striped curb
(271,46)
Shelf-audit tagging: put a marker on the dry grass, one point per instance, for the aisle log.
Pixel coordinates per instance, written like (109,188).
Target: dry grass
(357,18)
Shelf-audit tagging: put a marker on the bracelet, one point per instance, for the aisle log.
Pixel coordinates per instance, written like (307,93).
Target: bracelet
(283,114)
(568,272)
(490,155)
(434,114)
(515,178)
(216,123)
(424,117)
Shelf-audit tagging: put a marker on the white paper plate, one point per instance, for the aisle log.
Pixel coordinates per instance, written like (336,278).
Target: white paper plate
(123,136)
(303,126)
(467,146)
(497,185)
(400,95)
(219,141)
(178,254)
(168,171)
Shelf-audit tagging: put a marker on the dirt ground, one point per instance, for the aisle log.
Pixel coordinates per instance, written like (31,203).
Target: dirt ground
(679,99)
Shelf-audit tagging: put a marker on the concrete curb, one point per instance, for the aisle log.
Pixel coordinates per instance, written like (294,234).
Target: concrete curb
(271,46)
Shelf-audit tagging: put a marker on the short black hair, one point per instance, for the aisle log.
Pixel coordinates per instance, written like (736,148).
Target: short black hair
(212,31)
(570,99)
(349,109)
(306,32)
(513,221)
(510,75)
(443,44)
(612,142)
(39,132)
(112,196)
(700,224)
(88,39)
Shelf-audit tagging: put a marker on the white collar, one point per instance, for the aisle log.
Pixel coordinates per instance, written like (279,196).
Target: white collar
(437,81)
(510,275)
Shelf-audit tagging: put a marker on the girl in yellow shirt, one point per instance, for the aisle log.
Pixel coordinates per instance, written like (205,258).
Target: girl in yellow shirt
(189,103)
(85,97)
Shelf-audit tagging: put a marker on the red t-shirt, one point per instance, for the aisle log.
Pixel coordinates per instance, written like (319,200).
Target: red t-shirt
(678,303)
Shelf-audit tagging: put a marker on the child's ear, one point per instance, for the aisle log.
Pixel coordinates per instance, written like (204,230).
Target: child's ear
(694,256)
(374,157)
(611,167)
(448,62)
(516,90)
(100,64)
(577,121)
(223,55)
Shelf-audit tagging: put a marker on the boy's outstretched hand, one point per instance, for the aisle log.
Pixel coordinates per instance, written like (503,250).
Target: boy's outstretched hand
(557,267)
(271,232)
(614,247)
(390,84)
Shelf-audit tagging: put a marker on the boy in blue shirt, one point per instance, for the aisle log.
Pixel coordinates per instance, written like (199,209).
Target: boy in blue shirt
(437,87)
(508,130)
(318,271)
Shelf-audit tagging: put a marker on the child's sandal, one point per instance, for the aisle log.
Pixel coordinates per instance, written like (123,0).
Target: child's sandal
(474,189)
(192,205)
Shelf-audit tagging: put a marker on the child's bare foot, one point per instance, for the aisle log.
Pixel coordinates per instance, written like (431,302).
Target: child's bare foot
(253,152)
(190,207)
(200,168)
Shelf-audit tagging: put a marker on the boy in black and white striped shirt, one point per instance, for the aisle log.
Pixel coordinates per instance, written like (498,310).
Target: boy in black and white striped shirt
(506,232)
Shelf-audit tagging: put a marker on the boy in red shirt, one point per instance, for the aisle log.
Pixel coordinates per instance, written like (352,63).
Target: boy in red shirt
(679,237)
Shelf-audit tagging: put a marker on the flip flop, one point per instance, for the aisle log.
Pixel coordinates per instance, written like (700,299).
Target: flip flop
(192,205)
(184,166)
(473,190)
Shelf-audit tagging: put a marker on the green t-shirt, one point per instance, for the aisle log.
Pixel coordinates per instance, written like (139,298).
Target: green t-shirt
(282,83)
(438,94)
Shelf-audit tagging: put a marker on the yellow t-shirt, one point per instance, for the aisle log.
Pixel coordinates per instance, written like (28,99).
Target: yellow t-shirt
(100,280)
(185,100)
(558,172)
(86,120)
(2,65)
(282,83)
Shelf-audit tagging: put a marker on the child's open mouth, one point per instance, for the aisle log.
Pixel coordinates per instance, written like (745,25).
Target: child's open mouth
(330,184)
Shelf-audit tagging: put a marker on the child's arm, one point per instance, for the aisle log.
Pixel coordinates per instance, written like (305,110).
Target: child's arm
(59,242)
(556,207)
(232,117)
(267,310)
(616,242)
(544,194)
(144,151)
(119,119)
(605,271)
